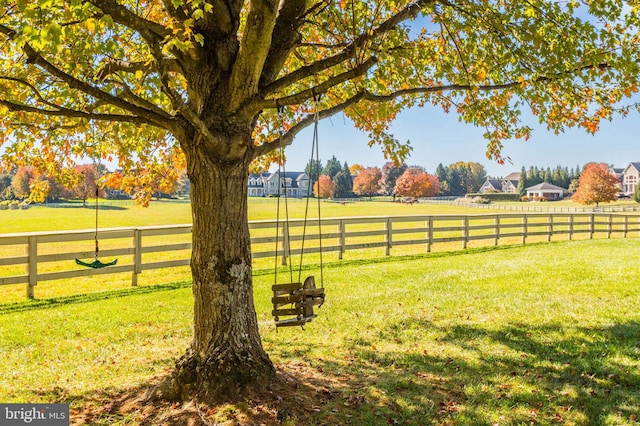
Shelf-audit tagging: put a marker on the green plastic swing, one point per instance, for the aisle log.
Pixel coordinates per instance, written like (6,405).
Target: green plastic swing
(96,263)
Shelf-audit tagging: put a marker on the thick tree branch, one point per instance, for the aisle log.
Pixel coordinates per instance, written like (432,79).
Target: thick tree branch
(288,137)
(34,57)
(111,66)
(306,71)
(365,95)
(32,88)
(321,88)
(254,48)
(285,37)
(223,19)
(128,95)
(175,12)
(152,32)
(71,113)
(301,73)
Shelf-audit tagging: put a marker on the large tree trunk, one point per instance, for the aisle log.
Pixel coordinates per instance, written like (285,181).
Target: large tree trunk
(226,354)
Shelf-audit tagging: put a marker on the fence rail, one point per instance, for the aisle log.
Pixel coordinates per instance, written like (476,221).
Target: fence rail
(49,256)
(549,207)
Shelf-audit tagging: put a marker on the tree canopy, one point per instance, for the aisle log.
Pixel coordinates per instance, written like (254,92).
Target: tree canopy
(367,182)
(138,70)
(220,86)
(415,182)
(596,185)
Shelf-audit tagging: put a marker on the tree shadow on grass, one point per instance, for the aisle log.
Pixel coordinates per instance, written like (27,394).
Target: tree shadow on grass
(514,374)
(298,396)
(54,302)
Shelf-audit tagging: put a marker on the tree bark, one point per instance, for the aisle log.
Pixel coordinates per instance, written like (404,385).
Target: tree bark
(226,354)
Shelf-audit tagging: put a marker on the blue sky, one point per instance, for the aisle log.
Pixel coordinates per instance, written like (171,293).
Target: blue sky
(438,137)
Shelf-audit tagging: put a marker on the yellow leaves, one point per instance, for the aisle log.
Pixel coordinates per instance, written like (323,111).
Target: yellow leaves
(630,90)
(90,25)
(39,189)
(602,113)
(591,125)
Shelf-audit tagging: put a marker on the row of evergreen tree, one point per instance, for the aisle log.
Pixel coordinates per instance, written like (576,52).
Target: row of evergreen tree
(460,178)
(339,174)
(560,176)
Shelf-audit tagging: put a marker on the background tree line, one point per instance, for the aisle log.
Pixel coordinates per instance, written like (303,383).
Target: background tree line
(26,183)
(339,180)
(560,176)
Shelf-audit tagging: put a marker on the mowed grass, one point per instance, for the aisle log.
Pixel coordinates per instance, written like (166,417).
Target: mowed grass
(539,334)
(116,214)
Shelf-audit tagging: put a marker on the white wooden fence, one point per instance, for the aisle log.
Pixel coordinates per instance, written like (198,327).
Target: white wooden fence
(45,256)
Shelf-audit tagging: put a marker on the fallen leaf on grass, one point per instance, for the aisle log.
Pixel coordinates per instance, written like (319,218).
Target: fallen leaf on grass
(447,407)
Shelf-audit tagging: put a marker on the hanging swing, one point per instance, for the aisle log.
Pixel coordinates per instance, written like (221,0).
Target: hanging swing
(293,302)
(96,263)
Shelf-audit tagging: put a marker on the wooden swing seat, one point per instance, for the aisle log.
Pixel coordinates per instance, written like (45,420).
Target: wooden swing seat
(296,300)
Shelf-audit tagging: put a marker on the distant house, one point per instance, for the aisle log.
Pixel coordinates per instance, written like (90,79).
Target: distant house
(508,184)
(546,190)
(296,184)
(491,185)
(630,178)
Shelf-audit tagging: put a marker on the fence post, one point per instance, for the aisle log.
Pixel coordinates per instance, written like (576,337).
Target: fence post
(465,232)
(137,257)
(524,229)
(285,243)
(342,232)
(388,236)
(625,226)
(549,227)
(570,227)
(496,232)
(609,225)
(429,233)
(591,226)
(32,266)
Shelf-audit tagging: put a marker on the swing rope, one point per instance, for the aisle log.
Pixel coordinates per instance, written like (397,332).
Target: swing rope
(315,164)
(97,252)
(96,264)
(285,235)
(297,299)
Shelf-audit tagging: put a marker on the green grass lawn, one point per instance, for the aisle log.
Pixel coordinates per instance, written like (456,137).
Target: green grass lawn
(115,214)
(539,334)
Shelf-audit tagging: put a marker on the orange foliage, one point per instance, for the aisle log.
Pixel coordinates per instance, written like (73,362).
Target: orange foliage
(367,182)
(324,187)
(596,185)
(417,183)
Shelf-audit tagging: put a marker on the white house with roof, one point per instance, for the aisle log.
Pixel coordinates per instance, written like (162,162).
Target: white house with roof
(630,178)
(546,190)
(296,184)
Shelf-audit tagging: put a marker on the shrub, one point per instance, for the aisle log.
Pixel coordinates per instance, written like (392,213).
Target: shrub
(500,196)
(480,200)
